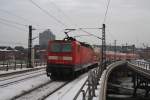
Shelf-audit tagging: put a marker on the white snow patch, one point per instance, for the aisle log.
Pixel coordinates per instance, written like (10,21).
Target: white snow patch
(69,91)
(6,93)
(12,70)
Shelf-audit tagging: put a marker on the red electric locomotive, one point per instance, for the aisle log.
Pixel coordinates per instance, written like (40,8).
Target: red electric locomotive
(68,56)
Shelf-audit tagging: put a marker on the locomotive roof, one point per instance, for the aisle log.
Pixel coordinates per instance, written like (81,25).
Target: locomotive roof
(86,45)
(81,43)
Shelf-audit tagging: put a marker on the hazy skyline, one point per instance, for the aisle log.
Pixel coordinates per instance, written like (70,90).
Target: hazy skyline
(128,21)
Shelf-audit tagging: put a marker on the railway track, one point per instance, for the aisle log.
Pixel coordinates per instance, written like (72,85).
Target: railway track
(41,92)
(4,67)
(7,81)
(20,75)
(20,72)
(39,88)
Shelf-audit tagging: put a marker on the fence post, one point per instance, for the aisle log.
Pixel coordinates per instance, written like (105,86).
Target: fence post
(40,62)
(95,79)
(146,67)
(100,71)
(7,66)
(93,84)
(83,93)
(98,75)
(26,62)
(21,64)
(3,63)
(89,87)
(15,65)
(36,63)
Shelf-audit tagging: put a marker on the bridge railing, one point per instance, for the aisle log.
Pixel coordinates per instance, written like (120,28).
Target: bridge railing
(141,64)
(90,85)
(87,90)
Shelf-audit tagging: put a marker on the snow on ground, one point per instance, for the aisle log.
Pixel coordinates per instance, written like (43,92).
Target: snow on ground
(98,92)
(142,60)
(5,80)
(6,93)
(37,95)
(70,90)
(18,69)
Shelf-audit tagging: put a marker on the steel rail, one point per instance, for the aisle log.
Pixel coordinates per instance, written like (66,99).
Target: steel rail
(29,91)
(20,72)
(20,80)
(18,75)
(45,95)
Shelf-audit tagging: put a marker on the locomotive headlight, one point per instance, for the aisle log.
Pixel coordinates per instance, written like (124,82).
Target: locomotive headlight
(67,58)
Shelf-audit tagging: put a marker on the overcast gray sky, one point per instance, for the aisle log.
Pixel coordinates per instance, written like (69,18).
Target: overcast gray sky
(128,21)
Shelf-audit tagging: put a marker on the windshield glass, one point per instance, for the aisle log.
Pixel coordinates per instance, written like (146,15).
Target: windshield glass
(60,47)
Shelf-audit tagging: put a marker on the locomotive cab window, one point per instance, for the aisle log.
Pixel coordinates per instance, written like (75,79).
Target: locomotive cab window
(60,47)
(66,47)
(55,47)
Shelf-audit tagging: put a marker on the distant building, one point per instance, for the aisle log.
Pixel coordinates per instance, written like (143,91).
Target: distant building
(9,53)
(44,37)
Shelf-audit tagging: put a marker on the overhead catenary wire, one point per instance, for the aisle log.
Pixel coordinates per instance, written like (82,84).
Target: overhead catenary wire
(90,34)
(112,36)
(81,35)
(12,43)
(105,15)
(13,26)
(47,13)
(22,18)
(13,22)
(64,14)
(15,15)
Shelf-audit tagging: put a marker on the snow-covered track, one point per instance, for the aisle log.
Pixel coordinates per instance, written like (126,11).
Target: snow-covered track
(16,79)
(20,75)
(41,92)
(20,71)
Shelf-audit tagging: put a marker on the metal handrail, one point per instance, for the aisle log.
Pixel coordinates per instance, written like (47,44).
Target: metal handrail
(91,82)
(81,89)
(143,65)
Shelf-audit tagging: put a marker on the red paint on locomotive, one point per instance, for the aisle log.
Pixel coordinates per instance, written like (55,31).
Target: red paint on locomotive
(68,57)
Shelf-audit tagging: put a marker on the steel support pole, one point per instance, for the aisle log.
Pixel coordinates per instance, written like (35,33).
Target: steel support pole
(103,47)
(30,48)
(115,50)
